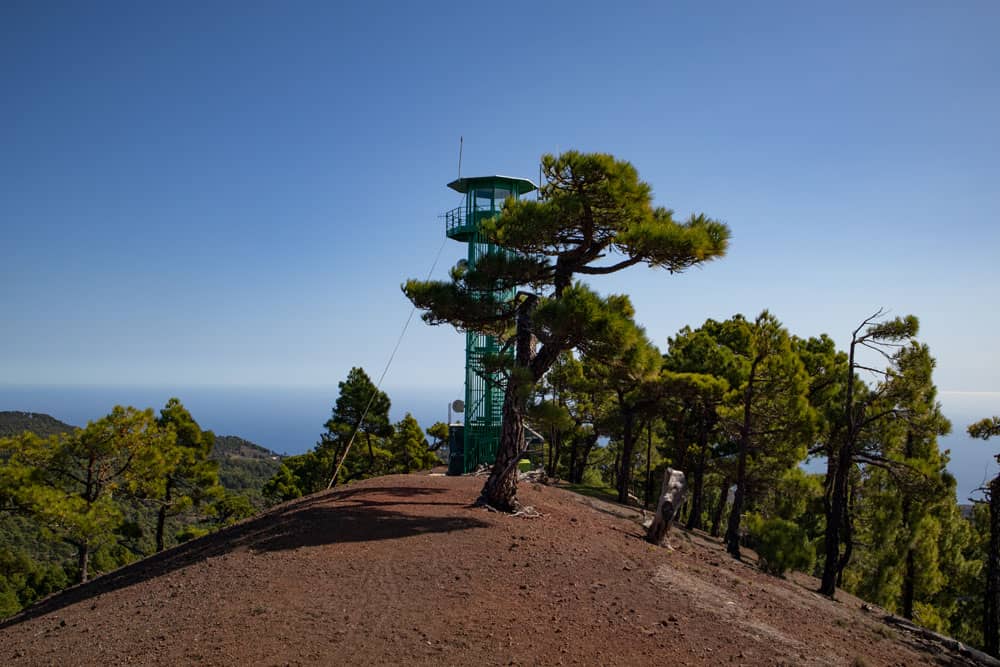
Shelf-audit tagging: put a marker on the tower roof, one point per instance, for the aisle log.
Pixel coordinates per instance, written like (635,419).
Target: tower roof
(463,185)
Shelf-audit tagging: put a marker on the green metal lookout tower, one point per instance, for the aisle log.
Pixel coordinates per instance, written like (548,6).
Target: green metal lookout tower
(484,198)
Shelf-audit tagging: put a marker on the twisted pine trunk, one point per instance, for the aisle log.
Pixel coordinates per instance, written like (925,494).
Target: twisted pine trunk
(500,490)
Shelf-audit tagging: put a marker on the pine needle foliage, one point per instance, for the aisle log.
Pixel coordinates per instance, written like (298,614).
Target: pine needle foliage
(594,216)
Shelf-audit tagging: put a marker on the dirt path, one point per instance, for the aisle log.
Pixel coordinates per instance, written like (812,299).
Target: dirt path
(402,570)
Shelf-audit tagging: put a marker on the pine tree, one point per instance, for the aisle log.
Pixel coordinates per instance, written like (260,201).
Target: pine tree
(192,479)
(701,367)
(692,404)
(627,367)
(986,429)
(590,408)
(409,447)
(348,426)
(769,411)
(591,206)
(71,482)
(360,415)
(864,408)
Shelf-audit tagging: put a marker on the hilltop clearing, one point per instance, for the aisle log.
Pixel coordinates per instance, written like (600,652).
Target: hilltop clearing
(401,569)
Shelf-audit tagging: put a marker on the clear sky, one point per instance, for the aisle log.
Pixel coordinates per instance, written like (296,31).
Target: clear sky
(232,192)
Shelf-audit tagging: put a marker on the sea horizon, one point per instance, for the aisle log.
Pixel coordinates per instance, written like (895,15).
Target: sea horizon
(285,419)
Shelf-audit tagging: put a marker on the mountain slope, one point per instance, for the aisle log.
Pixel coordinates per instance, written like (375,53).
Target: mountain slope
(243,465)
(13,422)
(402,569)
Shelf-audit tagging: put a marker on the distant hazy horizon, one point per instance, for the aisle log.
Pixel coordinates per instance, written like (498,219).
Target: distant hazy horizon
(289,420)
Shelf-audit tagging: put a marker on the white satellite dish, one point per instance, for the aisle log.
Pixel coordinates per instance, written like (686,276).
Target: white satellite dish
(458,405)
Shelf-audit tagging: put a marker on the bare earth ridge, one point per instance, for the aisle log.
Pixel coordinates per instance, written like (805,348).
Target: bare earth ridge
(402,569)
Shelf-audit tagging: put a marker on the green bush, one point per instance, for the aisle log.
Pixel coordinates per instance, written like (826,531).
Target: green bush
(781,545)
(592,477)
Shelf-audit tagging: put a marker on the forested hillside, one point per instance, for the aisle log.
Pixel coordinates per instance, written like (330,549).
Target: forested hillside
(244,467)
(14,423)
(75,502)
(192,483)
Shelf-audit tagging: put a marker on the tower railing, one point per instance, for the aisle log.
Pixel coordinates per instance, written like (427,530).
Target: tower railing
(457,222)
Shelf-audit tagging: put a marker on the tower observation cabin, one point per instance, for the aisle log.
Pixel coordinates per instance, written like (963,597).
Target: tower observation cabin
(484,391)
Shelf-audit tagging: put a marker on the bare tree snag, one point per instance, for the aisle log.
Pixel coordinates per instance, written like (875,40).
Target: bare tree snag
(672,496)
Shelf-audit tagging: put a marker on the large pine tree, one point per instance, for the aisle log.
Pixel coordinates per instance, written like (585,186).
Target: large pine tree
(193,478)
(986,429)
(594,217)
(864,408)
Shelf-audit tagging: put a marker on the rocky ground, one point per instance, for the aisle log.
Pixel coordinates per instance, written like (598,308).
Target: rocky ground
(402,569)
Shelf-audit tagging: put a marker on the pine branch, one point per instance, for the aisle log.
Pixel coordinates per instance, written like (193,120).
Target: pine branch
(603,270)
(872,370)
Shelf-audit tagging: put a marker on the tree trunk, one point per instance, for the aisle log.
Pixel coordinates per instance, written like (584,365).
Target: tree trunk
(556,452)
(733,528)
(335,465)
(910,570)
(83,562)
(837,469)
(848,530)
(161,515)
(549,467)
(909,579)
(649,454)
(500,489)
(720,509)
(991,606)
(588,447)
(835,520)
(694,519)
(574,449)
(628,445)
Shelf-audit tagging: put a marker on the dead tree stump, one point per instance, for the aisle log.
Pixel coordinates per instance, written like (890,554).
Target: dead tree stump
(672,496)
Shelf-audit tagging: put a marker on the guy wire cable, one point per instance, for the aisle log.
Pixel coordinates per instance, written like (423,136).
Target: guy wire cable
(378,385)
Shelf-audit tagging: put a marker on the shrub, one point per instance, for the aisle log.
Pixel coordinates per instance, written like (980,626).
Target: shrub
(781,545)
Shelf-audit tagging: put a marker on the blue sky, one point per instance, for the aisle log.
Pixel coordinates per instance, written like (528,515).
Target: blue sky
(231,193)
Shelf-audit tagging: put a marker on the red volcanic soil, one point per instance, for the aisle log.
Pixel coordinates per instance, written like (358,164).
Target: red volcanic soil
(403,570)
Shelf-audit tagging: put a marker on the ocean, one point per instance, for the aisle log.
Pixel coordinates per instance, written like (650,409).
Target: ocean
(289,420)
